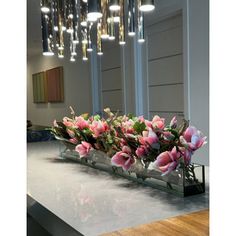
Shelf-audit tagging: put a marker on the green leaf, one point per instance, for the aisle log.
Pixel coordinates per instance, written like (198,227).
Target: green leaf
(97,117)
(139,127)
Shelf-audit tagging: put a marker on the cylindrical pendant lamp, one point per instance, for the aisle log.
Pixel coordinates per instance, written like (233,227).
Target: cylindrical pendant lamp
(47,35)
(89,47)
(105,12)
(141,37)
(99,38)
(122,24)
(84,51)
(94,10)
(147,5)
(114,5)
(45,6)
(83,13)
(131,18)
(61,13)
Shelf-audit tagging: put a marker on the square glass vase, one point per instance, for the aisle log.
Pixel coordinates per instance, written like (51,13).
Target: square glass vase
(184,181)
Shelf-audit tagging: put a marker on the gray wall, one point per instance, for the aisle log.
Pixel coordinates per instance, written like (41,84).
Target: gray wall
(77,89)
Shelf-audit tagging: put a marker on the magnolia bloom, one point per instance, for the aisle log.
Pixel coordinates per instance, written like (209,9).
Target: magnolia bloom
(73,140)
(81,123)
(192,139)
(127,126)
(187,155)
(167,161)
(141,151)
(67,122)
(83,148)
(98,127)
(158,122)
(173,123)
(123,158)
(168,135)
(148,137)
(55,123)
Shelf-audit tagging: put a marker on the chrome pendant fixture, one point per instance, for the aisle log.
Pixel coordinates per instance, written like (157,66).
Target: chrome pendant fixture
(45,6)
(74,19)
(122,24)
(94,10)
(147,5)
(131,18)
(114,5)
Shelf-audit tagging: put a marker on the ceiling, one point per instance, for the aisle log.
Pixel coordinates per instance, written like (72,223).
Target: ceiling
(34,37)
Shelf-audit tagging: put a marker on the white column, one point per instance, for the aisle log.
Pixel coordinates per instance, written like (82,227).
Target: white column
(196,68)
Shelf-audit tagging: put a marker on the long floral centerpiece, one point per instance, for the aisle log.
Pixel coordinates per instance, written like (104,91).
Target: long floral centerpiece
(129,140)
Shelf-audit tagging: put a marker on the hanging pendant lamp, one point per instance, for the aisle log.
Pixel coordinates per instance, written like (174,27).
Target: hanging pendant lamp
(114,5)
(147,5)
(94,10)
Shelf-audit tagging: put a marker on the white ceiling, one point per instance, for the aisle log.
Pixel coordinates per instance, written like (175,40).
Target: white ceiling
(34,37)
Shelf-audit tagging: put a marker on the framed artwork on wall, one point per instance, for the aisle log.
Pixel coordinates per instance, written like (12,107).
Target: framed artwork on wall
(55,84)
(39,87)
(48,86)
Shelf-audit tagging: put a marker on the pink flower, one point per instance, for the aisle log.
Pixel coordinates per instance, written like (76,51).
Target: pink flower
(187,154)
(81,123)
(173,123)
(123,158)
(98,127)
(73,140)
(127,126)
(192,139)
(148,123)
(167,161)
(148,137)
(141,151)
(67,122)
(83,148)
(55,123)
(158,122)
(168,135)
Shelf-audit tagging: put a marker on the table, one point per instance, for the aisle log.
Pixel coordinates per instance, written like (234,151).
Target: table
(92,202)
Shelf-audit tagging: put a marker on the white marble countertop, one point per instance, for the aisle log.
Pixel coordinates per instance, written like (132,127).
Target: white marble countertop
(95,202)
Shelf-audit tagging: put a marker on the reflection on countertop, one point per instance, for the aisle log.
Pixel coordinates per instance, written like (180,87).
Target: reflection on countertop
(95,202)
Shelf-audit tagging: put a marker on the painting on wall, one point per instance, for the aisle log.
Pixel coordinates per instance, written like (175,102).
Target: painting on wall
(55,84)
(39,87)
(48,86)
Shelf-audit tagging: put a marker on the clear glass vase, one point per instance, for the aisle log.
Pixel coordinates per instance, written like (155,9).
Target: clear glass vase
(184,181)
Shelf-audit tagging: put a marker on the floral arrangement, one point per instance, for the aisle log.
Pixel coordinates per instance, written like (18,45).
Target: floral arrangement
(128,139)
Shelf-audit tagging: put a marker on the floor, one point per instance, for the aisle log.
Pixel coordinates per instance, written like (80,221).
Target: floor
(194,224)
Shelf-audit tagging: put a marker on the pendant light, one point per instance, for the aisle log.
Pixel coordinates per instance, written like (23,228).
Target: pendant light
(45,6)
(61,14)
(122,24)
(141,38)
(77,18)
(114,5)
(94,10)
(47,35)
(84,51)
(131,18)
(83,13)
(75,37)
(147,5)
(99,38)
(89,47)
(104,25)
